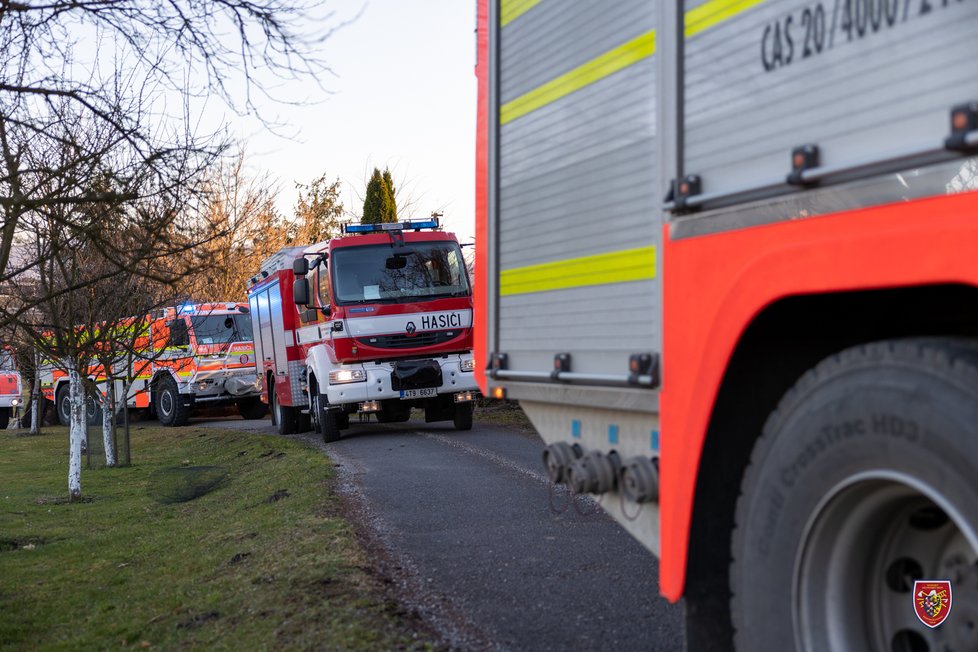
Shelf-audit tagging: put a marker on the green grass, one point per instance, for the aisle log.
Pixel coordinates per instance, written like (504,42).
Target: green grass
(234,569)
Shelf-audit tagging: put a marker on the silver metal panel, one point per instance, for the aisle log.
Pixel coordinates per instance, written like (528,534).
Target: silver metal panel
(253,303)
(575,178)
(299,397)
(887,91)
(278,329)
(600,326)
(947,178)
(556,36)
(571,185)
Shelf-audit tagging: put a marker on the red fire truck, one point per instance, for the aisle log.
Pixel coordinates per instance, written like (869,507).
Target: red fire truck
(375,322)
(192,355)
(726,264)
(10,385)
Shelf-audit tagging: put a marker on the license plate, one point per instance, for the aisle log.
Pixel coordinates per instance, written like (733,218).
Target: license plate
(427,392)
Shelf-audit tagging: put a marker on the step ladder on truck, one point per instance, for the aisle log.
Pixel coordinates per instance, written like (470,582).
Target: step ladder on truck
(754,335)
(376,321)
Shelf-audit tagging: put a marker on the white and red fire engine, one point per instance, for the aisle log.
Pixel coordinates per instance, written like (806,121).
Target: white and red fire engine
(10,385)
(377,321)
(190,356)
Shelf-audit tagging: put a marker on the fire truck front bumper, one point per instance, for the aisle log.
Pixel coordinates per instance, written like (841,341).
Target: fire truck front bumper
(405,380)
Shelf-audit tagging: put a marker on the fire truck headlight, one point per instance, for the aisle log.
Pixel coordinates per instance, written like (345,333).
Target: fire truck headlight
(467,365)
(15,402)
(341,376)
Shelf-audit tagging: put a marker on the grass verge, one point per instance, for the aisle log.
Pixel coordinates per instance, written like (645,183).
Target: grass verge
(264,560)
(503,413)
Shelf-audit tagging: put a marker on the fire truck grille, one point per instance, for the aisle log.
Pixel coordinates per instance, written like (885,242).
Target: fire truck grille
(428,338)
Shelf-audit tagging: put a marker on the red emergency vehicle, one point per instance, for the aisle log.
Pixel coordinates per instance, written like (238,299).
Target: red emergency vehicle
(374,322)
(726,263)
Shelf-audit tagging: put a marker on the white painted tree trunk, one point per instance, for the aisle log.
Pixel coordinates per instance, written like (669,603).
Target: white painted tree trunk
(36,404)
(76,431)
(108,414)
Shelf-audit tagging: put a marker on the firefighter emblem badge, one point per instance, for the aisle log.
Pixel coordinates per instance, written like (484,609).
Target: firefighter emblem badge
(932,601)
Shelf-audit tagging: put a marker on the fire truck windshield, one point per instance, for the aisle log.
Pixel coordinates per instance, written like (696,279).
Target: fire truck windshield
(221,329)
(386,274)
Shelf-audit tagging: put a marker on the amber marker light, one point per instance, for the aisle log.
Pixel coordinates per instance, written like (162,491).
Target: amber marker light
(499,393)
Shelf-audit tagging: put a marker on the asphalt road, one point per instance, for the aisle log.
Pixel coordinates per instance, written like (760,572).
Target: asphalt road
(478,544)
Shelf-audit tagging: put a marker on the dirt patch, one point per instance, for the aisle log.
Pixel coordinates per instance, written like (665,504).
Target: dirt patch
(198,620)
(179,484)
(278,495)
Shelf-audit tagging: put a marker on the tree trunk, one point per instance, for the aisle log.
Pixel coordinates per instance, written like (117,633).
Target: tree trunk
(36,404)
(108,417)
(76,430)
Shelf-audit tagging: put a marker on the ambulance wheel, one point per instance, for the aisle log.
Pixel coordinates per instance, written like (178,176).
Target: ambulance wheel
(252,408)
(170,407)
(93,412)
(861,483)
(4,418)
(463,415)
(284,416)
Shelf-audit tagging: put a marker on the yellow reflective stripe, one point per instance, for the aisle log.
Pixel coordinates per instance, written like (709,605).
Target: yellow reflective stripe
(510,10)
(599,269)
(640,47)
(713,12)
(697,20)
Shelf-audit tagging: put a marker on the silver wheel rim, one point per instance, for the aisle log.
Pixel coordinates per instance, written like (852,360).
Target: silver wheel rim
(277,408)
(862,551)
(166,403)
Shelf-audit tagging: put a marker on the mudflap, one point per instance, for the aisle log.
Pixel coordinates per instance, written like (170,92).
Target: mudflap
(439,408)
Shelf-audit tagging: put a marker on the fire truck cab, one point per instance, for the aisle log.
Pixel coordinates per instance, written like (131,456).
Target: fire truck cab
(377,321)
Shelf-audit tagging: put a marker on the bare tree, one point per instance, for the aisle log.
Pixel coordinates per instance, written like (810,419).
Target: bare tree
(239,210)
(138,73)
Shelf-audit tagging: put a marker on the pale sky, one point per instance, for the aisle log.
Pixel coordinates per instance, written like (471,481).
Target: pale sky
(403,95)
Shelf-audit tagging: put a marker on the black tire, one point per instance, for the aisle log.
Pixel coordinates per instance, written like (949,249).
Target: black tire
(93,411)
(4,418)
(463,415)
(329,425)
(252,408)
(862,481)
(284,416)
(62,401)
(170,407)
(303,421)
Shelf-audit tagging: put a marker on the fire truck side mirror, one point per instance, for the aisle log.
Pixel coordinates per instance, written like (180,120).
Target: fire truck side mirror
(300,291)
(300,266)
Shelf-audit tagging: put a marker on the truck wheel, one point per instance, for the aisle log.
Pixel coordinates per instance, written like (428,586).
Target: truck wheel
(93,411)
(329,425)
(283,415)
(252,408)
(4,417)
(170,408)
(62,401)
(463,415)
(861,483)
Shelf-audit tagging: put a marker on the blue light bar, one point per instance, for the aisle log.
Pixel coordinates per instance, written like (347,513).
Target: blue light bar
(188,307)
(391,226)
